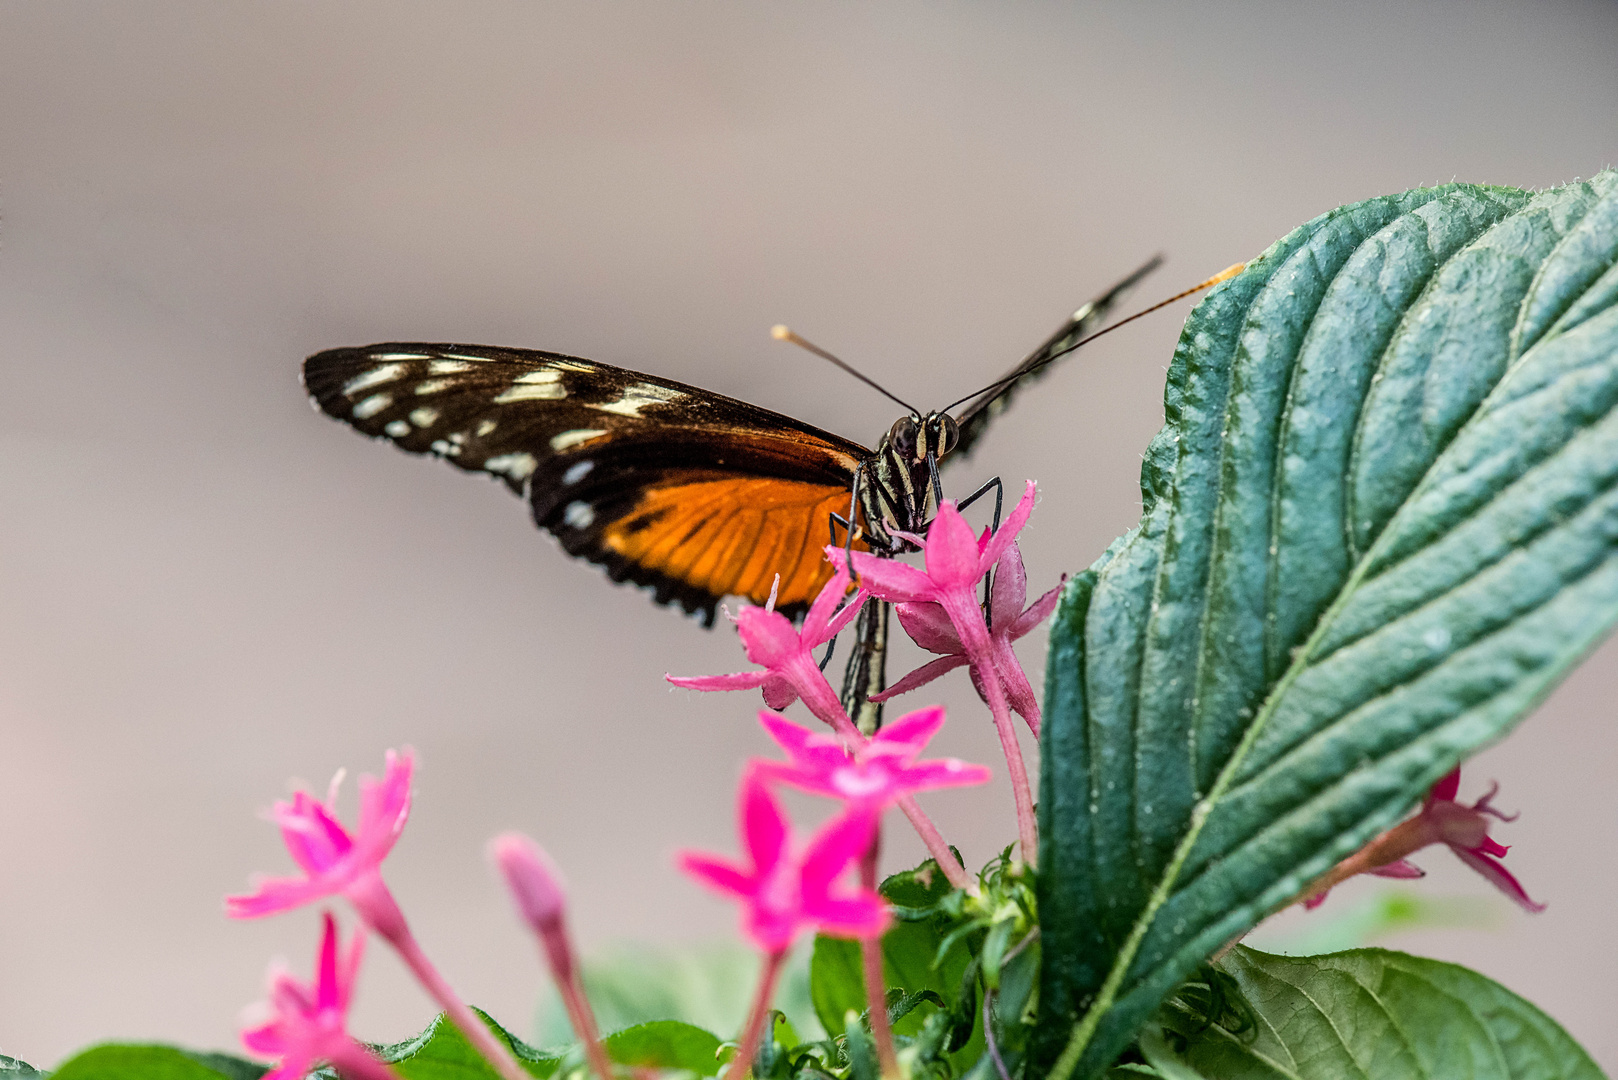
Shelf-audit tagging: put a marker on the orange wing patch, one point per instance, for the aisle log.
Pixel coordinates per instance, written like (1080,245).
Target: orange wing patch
(731,536)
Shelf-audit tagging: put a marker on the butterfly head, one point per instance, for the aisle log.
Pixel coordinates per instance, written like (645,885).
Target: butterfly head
(914,438)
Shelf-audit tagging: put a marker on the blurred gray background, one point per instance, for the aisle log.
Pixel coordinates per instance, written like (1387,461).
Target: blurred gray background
(207,589)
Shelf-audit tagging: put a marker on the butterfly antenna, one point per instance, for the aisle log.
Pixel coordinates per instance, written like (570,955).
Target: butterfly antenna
(781,333)
(1004,384)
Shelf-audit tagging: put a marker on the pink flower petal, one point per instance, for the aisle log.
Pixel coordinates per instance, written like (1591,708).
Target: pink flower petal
(913,730)
(920,677)
(717,874)
(863,916)
(1039,612)
(1499,877)
(831,850)
(1400,868)
(1009,528)
(1446,788)
(945,772)
(1010,589)
(796,741)
(846,615)
(888,578)
(743,680)
(928,626)
(951,551)
(275,895)
(762,825)
(767,636)
(817,622)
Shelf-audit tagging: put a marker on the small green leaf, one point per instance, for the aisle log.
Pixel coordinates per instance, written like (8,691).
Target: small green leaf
(1381,523)
(12,1069)
(441,1052)
(666,1044)
(124,1061)
(1368,1013)
(836,982)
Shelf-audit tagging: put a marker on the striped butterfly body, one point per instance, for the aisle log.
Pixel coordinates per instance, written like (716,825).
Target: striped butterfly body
(694,494)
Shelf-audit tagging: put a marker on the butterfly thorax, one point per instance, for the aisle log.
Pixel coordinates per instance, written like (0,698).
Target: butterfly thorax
(896,489)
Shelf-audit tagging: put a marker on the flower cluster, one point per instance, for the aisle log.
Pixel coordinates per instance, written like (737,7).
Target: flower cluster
(939,609)
(786,883)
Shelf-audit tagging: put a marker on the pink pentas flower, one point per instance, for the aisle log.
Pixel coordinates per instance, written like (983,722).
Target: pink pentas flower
(309,1022)
(785,891)
(786,653)
(333,860)
(1441,820)
(929,626)
(955,560)
(877,773)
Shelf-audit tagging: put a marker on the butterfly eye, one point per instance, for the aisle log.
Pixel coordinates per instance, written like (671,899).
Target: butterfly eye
(903,436)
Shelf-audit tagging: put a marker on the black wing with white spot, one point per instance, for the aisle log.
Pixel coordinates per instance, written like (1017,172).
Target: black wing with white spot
(612,461)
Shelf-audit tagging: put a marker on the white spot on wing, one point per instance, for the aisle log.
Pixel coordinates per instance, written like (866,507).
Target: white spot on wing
(639,395)
(575,437)
(447,367)
(519,466)
(464,356)
(486,426)
(398,356)
(433,386)
(577,471)
(397,428)
(579,515)
(447,449)
(542,385)
(375,377)
(372,405)
(424,417)
(570,365)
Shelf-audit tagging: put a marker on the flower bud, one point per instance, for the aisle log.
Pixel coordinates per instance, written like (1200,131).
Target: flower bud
(535,883)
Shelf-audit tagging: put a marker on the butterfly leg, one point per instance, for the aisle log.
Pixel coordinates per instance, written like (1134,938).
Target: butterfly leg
(938,485)
(999,495)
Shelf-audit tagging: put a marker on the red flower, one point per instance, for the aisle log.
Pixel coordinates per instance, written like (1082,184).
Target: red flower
(1463,829)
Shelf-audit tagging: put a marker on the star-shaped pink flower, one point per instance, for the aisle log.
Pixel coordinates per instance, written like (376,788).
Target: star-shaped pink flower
(310,1022)
(878,773)
(1441,820)
(786,653)
(928,626)
(785,892)
(955,561)
(335,861)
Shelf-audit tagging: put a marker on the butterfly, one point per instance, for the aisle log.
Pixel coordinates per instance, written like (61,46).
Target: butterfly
(693,494)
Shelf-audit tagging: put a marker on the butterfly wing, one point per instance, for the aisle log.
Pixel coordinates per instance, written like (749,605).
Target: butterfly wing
(695,494)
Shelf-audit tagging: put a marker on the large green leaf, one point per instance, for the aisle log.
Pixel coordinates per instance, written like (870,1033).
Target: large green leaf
(130,1061)
(1369,1013)
(1379,525)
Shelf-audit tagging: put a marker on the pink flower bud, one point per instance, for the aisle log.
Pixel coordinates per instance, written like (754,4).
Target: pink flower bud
(534,881)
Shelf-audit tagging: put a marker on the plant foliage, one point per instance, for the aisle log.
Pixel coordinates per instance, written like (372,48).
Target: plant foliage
(1379,526)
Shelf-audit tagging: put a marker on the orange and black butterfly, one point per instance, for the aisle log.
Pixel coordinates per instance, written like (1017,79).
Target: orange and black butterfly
(697,495)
